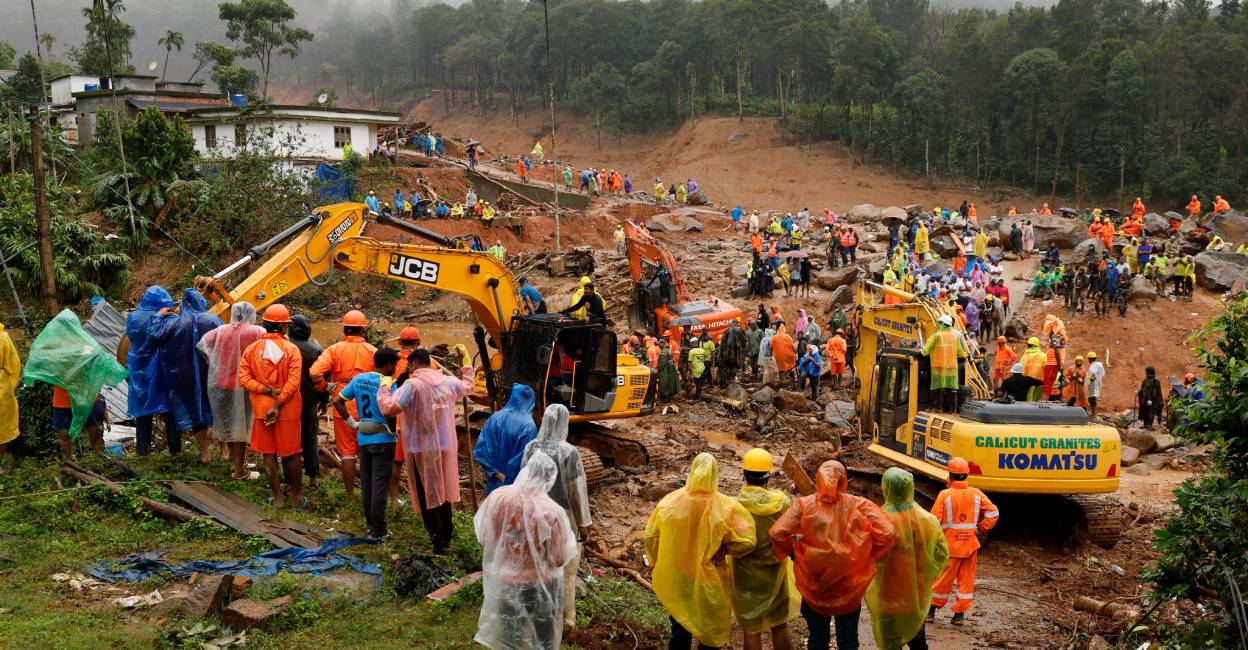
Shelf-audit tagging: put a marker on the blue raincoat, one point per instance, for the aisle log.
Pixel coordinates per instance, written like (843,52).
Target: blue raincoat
(500,447)
(148,394)
(183,369)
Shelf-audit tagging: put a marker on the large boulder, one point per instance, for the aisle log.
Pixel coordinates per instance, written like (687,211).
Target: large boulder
(896,212)
(1155,224)
(836,277)
(1139,439)
(1219,270)
(842,295)
(936,267)
(1142,291)
(740,270)
(862,212)
(944,246)
(1231,226)
(1066,231)
(838,413)
(1016,327)
(673,223)
(764,395)
(1091,244)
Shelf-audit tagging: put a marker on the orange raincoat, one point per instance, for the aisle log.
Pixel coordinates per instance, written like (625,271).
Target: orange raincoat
(782,350)
(835,539)
(1193,207)
(1220,204)
(1003,361)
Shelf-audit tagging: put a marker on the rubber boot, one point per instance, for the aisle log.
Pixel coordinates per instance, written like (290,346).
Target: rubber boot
(957,619)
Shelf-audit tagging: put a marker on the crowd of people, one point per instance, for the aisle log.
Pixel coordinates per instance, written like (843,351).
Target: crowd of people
(768,558)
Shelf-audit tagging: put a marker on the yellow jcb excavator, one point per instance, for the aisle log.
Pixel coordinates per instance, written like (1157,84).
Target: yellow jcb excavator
(572,362)
(1012,447)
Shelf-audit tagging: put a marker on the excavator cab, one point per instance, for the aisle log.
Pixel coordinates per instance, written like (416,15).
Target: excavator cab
(569,362)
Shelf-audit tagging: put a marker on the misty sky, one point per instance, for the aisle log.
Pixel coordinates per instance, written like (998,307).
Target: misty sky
(197,20)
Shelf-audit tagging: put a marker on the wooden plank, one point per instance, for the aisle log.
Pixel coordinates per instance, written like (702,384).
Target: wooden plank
(242,515)
(805,486)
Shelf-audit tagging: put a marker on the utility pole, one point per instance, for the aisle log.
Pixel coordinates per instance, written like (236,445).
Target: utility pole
(550,86)
(44,231)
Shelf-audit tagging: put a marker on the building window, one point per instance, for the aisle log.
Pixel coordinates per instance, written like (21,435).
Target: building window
(240,135)
(210,136)
(342,136)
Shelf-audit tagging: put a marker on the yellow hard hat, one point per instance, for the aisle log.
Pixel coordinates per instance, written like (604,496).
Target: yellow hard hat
(1091,355)
(757,460)
(1033,341)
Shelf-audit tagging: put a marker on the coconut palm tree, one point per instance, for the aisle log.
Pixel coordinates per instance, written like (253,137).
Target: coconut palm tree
(171,40)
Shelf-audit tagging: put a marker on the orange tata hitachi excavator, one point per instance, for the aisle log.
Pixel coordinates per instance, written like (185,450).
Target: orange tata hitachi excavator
(660,300)
(601,385)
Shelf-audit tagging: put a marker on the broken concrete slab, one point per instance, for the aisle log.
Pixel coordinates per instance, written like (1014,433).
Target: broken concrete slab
(446,592)
(245,614)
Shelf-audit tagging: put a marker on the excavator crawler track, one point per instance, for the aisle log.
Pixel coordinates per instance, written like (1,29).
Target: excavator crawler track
(614,447)
(595,473)
(1102,519)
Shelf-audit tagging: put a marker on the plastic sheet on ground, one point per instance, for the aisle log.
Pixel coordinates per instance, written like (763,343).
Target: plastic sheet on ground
(317,561)
(417,576)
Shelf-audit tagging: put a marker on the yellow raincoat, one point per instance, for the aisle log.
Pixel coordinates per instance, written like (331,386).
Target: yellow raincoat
(687,537)
(901,591)
(921,244)
(944,348)
(10,374)
(764,591)
(576,297)
(981,245)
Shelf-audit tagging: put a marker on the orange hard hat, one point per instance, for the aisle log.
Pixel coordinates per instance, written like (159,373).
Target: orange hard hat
(354,318)
(277,313)
(1000,339)
(958,465)
(1189,377)
(408,333)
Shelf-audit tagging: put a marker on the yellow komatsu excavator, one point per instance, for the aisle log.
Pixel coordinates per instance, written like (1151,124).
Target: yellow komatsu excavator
(1022,448)
(572,362)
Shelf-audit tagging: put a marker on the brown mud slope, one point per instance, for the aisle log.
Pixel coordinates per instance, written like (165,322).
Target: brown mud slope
(748,162)
(1151,335)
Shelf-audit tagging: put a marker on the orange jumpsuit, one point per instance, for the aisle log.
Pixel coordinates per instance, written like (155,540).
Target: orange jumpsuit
(782,351)
(1221,205)
(1193,207)
(257,373)
(836,354)
(521,170)
(1094,230)
(1132,227)
(1075,386)
(342,361)
(1013,212)
(962,510)
(1107,235)
(756,241)
(970,214)
(1137,210)
(1004,360)
(1045,209)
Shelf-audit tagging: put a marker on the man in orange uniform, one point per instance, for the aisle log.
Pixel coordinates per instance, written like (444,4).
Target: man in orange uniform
(835,539)
(1220,205)
(1107,234)
(1094,228)
(1045,209)
(962,510)
(1002,362)
(1012,212)
(336,366)
(837,347)
(1074,391)
(970,214)
(784,353)
(1193,207)
(269,371)
(1137,209)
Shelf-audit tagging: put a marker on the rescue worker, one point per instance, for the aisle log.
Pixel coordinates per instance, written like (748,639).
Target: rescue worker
(526,543)
(962,512)
(1074,391)
(784,353)
(1095,381)
(231,406)
(732,352)
(270,372)
(331,372)
(764,596)
(809,370)
(1131,252)
(922,244)
(576,297)
(500,446)
(699,362)
(668,378)
(1034,360)
(1220,205)
(570,490)
(944,348)
(1003,360)
(1018,385)
(688,537)
(754,340)
(835,539)
(1193,207)
(1137,209)
(1107,234)
(10,376)
(620,240)
(1148,398)
(1094,228)
(183,369)
(902,588)
(981,245)
(837,349)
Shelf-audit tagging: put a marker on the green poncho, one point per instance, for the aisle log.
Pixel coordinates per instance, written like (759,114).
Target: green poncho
(764,593)
(669,380)
(65,355)
(901,591)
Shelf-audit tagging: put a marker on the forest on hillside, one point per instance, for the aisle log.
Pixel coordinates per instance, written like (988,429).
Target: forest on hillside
(1083,98)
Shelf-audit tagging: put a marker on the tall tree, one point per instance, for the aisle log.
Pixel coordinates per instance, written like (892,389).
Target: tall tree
(210,53)
(25,87)
(263,29)
(7,53)
(107,35)
(171,40)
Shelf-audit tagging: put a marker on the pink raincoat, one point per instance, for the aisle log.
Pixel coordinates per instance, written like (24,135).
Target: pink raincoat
(427,401)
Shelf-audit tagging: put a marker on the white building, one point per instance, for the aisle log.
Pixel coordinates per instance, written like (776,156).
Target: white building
(305,133)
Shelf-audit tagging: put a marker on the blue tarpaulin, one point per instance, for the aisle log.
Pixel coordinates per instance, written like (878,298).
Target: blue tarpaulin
(317,561)
(333,186)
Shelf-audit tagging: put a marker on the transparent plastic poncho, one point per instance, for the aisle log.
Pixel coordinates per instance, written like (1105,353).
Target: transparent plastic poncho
(570,490)
(525,543)
(223,348)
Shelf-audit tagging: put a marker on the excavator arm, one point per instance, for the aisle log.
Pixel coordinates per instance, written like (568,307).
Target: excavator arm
(331,239)
(643,246)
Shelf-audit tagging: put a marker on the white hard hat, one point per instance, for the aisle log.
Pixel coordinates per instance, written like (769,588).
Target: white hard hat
(946,320)
(1017,369)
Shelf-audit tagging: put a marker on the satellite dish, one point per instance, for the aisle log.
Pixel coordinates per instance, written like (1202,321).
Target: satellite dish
(322,98)
(152,65)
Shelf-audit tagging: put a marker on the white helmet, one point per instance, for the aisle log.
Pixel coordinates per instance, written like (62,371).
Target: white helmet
(946,320)
(1017,369)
